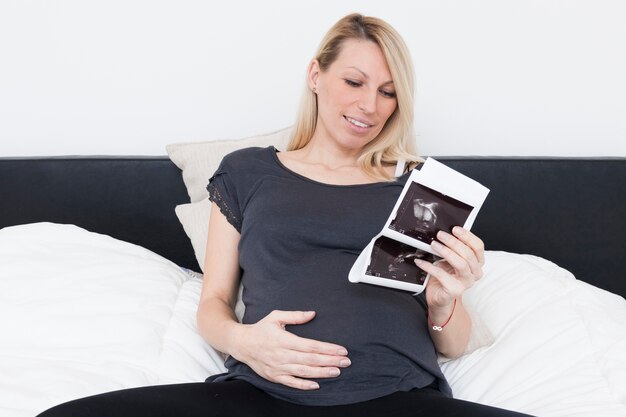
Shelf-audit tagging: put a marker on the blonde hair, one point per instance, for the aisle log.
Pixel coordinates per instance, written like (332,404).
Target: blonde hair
(396,140)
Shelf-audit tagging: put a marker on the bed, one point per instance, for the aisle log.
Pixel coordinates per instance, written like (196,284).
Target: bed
(100,276)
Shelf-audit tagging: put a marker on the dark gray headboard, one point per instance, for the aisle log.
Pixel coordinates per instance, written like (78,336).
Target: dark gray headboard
(568,210)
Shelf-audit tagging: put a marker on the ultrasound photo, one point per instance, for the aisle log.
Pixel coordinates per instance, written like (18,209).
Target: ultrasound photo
(424,211)
(394,260)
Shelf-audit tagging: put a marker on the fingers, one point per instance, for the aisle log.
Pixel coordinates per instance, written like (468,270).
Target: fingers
(453,287)
(461,266)
(315,346)
(291,317)
(464,268)
(284,318)
(327,361)
(297,383)
(313,353)
(299,376)
(464,259)
(297,368)
(471,240)
(282,357)
(312,372)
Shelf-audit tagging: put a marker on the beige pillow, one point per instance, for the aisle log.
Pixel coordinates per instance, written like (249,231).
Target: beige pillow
(199,161)
(195,220)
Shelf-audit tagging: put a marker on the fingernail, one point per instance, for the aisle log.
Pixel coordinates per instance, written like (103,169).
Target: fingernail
(459,231)
(334,372)
(345,362)
(314,385)
(419,262)
(443,236)
(309,313)
(436,245)
(342,352)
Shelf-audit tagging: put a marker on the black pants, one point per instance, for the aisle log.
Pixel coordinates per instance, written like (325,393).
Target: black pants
(239,398)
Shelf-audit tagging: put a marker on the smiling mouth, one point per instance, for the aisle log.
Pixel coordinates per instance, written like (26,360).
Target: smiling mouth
(356,122)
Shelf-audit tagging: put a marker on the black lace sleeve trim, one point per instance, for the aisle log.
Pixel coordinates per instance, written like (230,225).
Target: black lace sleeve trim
(216,197)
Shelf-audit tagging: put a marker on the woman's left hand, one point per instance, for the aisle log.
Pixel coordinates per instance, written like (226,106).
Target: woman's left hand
(463,258)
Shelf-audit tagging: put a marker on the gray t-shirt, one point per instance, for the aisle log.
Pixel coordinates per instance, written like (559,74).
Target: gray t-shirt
(299,239)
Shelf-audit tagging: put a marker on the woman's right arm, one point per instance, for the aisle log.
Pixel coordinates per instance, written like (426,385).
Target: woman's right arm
(217,322)
(271,351)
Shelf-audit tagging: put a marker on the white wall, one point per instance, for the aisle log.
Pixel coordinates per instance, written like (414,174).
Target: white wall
(495,77)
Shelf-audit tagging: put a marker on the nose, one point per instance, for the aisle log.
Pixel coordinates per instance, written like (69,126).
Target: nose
(367,101)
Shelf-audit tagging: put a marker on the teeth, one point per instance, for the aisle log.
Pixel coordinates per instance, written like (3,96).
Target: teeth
(356,122)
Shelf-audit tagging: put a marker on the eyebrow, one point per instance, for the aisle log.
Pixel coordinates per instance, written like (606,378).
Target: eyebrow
(367,76)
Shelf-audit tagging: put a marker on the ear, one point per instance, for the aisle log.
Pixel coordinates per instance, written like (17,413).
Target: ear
(313,74)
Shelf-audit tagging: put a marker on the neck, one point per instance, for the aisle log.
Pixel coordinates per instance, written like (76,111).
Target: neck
(328,153)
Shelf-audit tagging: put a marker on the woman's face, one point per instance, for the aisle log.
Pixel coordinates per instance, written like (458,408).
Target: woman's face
(355,94)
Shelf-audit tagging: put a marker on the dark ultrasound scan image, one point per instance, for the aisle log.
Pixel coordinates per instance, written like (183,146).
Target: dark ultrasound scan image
(424,211)
(395,260)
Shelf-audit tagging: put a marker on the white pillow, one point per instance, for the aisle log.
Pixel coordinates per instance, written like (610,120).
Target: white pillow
(559,343)
(480,335)
(83,313)
(198,162)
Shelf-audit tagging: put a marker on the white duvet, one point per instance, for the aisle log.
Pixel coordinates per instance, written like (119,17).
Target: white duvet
(83,313)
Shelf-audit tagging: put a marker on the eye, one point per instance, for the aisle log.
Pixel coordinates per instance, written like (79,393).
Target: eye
(352,83)
(388,94)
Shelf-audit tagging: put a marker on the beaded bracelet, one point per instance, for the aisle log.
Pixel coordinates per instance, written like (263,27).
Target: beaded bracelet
(440,328)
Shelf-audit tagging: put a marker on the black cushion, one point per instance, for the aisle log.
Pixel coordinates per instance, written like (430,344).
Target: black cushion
(568,210)
(130,198)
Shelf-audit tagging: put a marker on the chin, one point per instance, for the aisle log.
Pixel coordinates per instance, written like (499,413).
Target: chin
(354,145)
(350,141)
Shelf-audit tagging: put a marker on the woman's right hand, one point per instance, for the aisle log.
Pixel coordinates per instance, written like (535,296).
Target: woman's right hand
(279,356)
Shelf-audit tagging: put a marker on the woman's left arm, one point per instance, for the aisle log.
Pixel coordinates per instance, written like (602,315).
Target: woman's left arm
(463,258)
